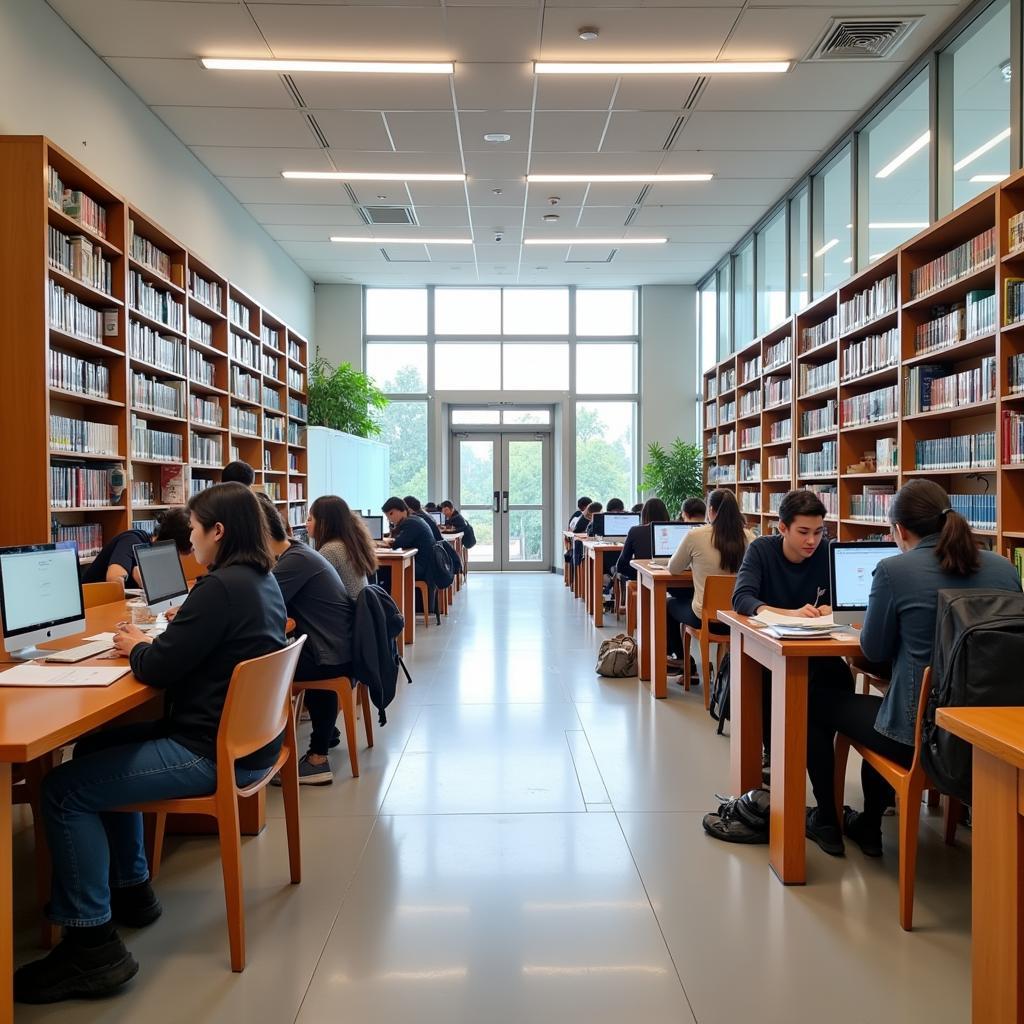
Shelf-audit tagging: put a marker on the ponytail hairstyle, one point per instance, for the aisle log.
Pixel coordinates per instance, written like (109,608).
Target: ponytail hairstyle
(654,511)
(334,520)
(922,507)
(727,534)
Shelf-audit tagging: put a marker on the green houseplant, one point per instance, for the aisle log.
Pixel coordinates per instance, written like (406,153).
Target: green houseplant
(674,473)
(343,398)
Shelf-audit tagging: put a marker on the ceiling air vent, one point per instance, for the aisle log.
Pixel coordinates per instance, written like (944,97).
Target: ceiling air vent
(864,38)
(388,215)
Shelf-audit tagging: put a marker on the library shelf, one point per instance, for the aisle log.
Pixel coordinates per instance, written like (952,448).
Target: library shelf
(153,368)
(958,412)
(1011,466)
(818,435)
(155,278)
(89,508)
(78,397)
(879,376)
(748,416)
(201,310)
(1012,255)
(156,414)
(208,350)
(244,332)
(89,295)
(248,402)
(59,219)
(158,325)
(284,501)
(201,387)
(56,453)
(819,352)
(150,508)
(777,444)
(296,501)
(961,351)
(867,428)
(957,289)
(204,428)
(886,474)
(817,476)
(864,522)
(267,379)
(878,324)
(95,349)
(140,461)
(963,471)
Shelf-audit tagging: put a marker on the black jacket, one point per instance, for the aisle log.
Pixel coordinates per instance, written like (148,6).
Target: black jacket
(412,532)
(378,623)
(232,615)
(637,546)
(767,576)
(431,522)
(118,550)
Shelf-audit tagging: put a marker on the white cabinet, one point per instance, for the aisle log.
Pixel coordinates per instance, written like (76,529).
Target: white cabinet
(355,468)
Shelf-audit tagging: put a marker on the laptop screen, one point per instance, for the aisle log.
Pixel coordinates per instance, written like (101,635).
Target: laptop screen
(615,524)
(161,572)
(375,524)
(851,566)
(668,536)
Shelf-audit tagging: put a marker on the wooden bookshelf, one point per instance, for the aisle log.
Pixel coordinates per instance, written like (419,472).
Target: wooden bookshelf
(165,307)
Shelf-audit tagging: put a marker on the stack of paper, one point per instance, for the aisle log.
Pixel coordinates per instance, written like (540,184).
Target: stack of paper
(790,627)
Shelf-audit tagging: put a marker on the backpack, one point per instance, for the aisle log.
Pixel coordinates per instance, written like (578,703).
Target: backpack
(453,554)
(377,623)
(617,657)
(719,700)
(468,537)
(979,648)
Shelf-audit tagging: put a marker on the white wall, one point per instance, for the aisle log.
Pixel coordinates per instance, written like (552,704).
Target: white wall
(52,84)
(339,323)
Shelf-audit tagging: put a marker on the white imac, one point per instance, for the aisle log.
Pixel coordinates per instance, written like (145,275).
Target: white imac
(615,524)
(375,524)
(163,580)
(666,537)
(40,597)
(438,517)
(850,567)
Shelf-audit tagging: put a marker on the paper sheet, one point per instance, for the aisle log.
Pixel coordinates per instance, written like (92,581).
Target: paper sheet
(62,675)
(769,618)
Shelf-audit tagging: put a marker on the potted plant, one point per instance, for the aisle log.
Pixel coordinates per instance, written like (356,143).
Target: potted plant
(342,398)
(674,473)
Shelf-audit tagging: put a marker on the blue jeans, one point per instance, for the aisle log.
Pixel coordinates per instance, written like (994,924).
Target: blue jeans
(95,848)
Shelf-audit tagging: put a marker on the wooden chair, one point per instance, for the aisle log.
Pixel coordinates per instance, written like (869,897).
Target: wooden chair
(717,597)
(631,600)
(192,569)
(342,686)
(424,591)
(102,593)
(258,708)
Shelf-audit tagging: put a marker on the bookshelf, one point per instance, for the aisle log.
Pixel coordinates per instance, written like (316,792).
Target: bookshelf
(118,344)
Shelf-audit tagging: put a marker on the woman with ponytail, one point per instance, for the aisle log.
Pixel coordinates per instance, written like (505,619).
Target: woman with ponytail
(938,552)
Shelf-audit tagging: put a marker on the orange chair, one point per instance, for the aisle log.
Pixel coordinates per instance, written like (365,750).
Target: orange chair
(258,708)
(342,686)
(102,593)
(717,597)
(424,590)
(192,569)
(631,599)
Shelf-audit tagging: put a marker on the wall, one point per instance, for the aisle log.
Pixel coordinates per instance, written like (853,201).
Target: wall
(52,84)
(339,323)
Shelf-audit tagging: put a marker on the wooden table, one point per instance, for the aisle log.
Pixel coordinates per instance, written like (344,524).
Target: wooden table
(567,538)
(752,649)
(402,563)
(997,869)
(455,539)
(594,552)
(653,581)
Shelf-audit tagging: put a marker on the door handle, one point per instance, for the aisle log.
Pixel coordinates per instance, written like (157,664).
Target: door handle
(504,497)
(496,496)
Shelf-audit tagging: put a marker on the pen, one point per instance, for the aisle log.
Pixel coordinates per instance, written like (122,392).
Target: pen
(821,594)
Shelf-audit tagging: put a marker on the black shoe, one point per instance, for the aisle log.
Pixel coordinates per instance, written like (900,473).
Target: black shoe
(72,971)
(135,906)
(694,674)
(857,827)
(766,769)
(828,837)
(335,739)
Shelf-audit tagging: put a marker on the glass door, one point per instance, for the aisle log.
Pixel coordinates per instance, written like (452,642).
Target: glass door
(476,467)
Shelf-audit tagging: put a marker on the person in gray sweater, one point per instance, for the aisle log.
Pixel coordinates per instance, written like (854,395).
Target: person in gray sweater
(342,538)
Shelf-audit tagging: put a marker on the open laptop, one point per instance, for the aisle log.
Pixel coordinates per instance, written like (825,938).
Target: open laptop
(375,524)
(850,568)
(615,524)
(666,537)
(163,579)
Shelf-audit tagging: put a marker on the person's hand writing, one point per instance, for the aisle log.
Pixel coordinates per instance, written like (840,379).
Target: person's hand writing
(171,612)
(809,612)
(127,637)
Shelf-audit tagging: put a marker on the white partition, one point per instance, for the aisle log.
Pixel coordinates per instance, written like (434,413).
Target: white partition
(355,468)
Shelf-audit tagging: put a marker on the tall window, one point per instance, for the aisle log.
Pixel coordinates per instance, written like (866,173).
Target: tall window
(771,272)
(605,450)
(743,295)
(799,252)
(724,310)
(707,322)
(833,229)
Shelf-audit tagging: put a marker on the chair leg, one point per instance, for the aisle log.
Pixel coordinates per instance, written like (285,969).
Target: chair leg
(705,666)
(934,796)
(348,708)
(364,703)
(686,660)
(952,816)
(290,794)
(231,864)
(910,816)
(842,755)
(154,828)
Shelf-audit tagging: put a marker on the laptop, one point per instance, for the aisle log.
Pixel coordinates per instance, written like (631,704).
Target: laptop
(666,537)
(375,524)
(850,568)
(615,524)
(163,579)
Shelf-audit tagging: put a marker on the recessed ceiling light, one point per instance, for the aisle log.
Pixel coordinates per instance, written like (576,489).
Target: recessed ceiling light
(403,241)
(745,67)
(616,177)
(595,241)
(989,179)
(496,191)
(588,34)
(342,67)
(382,197)
(830,244)
(551,218)
(885,225)
(981,150)
(497,137)
(901,158)
(367,176)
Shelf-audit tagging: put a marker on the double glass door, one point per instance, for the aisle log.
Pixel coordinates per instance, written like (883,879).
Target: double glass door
(502,485)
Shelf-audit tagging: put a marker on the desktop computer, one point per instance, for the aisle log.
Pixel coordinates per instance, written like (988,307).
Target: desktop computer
(615,524)
(666,537)
(163,579)
(375,524)
(851,566)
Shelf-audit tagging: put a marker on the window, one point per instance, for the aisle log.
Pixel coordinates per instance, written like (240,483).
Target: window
(467,366)
(724,310)
(771,272)
(605,452)
(536,311)
(398,369)
(894,172)
(608,369)
(707,324)
(461,416)
(978,63)
(474,311)
(535,367)
(404,429)
(396,311)
(833,230)
(799,264)
(601,313)
(743,295)
(527,416)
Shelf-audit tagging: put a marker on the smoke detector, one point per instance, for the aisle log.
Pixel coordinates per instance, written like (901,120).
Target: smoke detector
(588,34)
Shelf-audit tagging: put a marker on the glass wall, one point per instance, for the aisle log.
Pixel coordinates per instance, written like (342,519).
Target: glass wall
(707,323)
(771,272)
(743,295)
(831,219)
(605,450)
(724,310)
(799,251)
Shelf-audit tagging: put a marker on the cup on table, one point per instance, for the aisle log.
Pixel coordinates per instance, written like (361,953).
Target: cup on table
(141,615)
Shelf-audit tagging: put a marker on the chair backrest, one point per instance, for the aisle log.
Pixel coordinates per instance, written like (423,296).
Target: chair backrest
(717,596)
(258,702)
(922,705)
(191,567)
(94,594)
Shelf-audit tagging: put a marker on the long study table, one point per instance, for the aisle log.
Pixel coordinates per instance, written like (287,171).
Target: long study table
(401,561)
(653,581)
(593,561)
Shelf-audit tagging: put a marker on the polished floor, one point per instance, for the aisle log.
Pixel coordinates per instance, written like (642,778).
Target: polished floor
(524,845)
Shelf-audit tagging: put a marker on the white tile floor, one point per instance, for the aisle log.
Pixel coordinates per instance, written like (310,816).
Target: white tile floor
(524,845)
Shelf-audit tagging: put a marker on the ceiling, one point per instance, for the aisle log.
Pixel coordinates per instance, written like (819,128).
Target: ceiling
(755,133)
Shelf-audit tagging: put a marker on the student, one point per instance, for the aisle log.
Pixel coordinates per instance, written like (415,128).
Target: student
(409,531)
(454,519)
(584,527)
(581,507)
(413,505)
(343,539)
(235,612)
(638,507)
(316,599)
(615,505)
(238,472)
(117,559)
(938,553)
(693,511)
(431,507)
(637,545)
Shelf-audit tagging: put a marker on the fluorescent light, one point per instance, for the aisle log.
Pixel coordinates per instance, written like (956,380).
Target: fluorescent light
(981,150)
(830,244)
(601,178)
(403,241)
(594,241)
(849,259)
(876,256)
(741,67)
(885,225)
(901,158)
(989,179)
(367,176)
(343,67)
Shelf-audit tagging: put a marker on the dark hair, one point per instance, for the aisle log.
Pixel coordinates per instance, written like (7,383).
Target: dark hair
(583,503)
(245,540)
(594,507)
(412,504)
(271,516)
(448,503)
(800,503)
(394,504)
(173,524)
(334,521)
(238,472)
(727,530)
(638,507)
(922,507)
(694,507)
(653,510)
(431,506)
(615,505)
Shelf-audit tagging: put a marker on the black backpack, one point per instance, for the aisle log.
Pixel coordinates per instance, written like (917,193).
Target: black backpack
(376,625)
(441,565)
(453,554)
(468,537)
(719,706)
(979,650)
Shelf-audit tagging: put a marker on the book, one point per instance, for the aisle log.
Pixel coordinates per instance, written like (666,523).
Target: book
(174,488)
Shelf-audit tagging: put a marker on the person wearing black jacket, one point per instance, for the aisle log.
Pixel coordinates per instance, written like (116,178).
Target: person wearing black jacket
(234,613)
(581,507)
(454,519)
(409,531)
(638,541)
(413,505)
(116,561)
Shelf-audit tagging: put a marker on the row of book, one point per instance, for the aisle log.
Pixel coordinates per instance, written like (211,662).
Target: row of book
(205,411)
(299,410)
(270,336)
(1015,226)
(296,491)
(147,525)
(68,434)
(868,305)
(721,474)
(272,489)
(157,445)
(874,407)
(72,373)
(750,471)
(209,293)
(1017,557)
(142,250)
(751,369)
(296,380)
(242,350)
(200,330)
(828,495)
(143,492)
(727,379)
(780,466)
(244,421)
(88,537)
(819,335)
(152,395)
(819,463)
(1013,437)
(945,330)
(750,403)
(78,487)
(711,416)
(78,257)
(960,262)
(981,312)
(156,349)
(877,352)
(818,421)
(271,366)
(965,451)
(206,450)
(750,502)
(296,433)
(198,484)
(818,378)
(778,354)
(777,391)
(728,410)
(238,314)
(200,369)
(775,502)
(780,430)
(931,387)
(886,455)
(274,429)
(294,351)
(873,503)
(712,386)
(70,315)
(727,442)
(75,204)
(1013,299)
(711,446)
(155,303)
(750,437)
(978,509)
(272,399)
(245,386)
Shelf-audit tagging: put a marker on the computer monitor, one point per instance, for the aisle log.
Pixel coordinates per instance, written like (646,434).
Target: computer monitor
(615,524)
(375,524)
(666,537)
(40,597)
(163,579)
(850,568)
(438,517)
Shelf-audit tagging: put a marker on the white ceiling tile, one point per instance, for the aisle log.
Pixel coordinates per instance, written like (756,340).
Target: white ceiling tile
(239,126)
(493,33)
(294,215)
(277,190)
(375,92)
(595,163)
(738,217)
(762,130)
(385,193)
(569,194)
(493,86)
(443,216)
(634,130)
(574,92)
(603,194)
(312,233)
(654,92)
(506,254)
(424,130)
(188,83)
(740,163)
(724,191)
(476,124)
(564,132)
(354,129)
(602,217)
(397,163)
(253,162)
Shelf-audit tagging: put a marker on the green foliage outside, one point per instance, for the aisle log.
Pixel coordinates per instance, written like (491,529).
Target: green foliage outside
(603,465)
(674,473)
(343,398)
(403,427)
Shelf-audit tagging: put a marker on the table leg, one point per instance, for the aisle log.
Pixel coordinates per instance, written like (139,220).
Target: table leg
(659,641)
(6,899)
(398,596)
(745,698)
(409,574)
(597,589)
(998,893)
(644,632)
(588,579)
(787,851)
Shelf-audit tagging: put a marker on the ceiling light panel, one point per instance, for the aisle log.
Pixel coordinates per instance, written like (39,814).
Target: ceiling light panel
(617,178)
(663,68)
(337,67)
(595,241)
(385,242)
(367,176)
(902,157)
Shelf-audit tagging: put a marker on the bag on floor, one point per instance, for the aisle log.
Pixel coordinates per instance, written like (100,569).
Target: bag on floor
(979,649)
(719,701)
(743,820)
(617,657)
(376,626)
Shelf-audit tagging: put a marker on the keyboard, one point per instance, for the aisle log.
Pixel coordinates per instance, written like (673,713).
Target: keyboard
(80,653)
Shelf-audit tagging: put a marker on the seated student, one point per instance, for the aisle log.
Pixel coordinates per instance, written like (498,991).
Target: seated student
(235,612)
(238,472)
(581,507)
(693,511)
(455,521)
(638,507)
(637,545)
(343,539)
(413,505)
(787,572)
(939,553)
(409,531)
(117,559)
(322,609)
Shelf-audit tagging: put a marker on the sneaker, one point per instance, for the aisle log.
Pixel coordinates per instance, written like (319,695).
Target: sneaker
(72,971)
(314,774)
(856,826)
(828,837)
(135,906)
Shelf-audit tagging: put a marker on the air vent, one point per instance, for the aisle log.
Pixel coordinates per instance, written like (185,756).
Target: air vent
(388,215)
(318,132)
(698,88)
(293,89)
(863,38)
(673,132)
